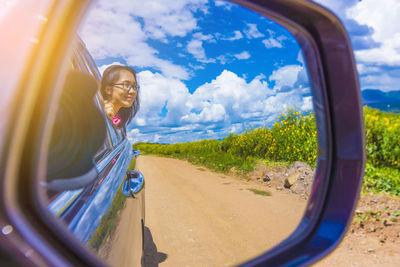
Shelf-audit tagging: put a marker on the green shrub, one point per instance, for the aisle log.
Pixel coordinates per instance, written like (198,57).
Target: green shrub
(382,131)
(383,179)
(291,138)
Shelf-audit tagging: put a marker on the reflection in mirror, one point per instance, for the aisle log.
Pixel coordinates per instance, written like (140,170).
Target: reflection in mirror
(74,141)
(226,134)
(119,94)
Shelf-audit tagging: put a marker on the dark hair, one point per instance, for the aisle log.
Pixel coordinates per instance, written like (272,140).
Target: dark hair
(110,76)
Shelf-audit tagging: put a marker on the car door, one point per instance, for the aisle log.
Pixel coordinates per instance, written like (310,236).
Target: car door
(91,212)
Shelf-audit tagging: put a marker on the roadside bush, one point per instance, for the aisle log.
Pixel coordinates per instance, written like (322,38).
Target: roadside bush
(383,179)
(294,138)
(382,131)
(291,138)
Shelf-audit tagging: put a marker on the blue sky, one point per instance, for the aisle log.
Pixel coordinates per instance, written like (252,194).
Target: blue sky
(210,68)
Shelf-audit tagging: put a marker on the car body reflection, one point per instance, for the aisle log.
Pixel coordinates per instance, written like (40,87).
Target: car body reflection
(93,213)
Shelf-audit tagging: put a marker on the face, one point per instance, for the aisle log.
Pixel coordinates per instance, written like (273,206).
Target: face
(119,94)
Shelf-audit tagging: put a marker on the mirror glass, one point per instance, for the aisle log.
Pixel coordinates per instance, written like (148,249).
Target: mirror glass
(225,129)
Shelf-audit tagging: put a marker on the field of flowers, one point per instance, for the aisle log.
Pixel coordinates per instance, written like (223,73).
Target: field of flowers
(293,138)
(382,131)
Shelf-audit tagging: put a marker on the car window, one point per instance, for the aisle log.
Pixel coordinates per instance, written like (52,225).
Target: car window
(92,65)
(87,64)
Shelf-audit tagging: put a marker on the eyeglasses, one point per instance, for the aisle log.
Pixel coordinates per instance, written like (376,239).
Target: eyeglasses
(126,86)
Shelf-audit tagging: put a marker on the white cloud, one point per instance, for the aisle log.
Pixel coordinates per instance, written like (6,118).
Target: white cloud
(307,103)
(383,17)
(384,20)
(237,35)
(156,138)
(227,58)
(383,82)
(195,47)
(156,91)
(387,54)
(226,104)
(238,98)
(374,31)
(209,113)
(223,59)
(203,37)
(242,55)
(285,77)
(103,67)
(161,18)
(140,121)
(300,57)
(226,98)
(224,4)
(364,69)
(339,6)
(271,42)
(196,67)
(252,32)
(107,34)
(134,135)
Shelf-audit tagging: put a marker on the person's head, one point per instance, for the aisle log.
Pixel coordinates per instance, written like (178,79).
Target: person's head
(119,87)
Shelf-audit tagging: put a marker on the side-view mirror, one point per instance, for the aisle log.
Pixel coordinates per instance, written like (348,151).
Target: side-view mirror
(31,234)
(136,152)
(133,183)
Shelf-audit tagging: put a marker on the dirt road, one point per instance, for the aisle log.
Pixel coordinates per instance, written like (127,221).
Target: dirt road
(195,217)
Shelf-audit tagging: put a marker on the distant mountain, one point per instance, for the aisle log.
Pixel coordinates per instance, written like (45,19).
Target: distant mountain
(386,101)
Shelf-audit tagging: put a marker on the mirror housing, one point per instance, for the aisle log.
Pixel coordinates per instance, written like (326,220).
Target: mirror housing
(136,152)
(341,160)
(133,183)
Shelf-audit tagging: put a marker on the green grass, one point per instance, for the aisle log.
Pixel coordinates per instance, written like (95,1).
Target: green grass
(382,131)
(260,192)
(383,179)
(274,164)
(382,171)
(377,216)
